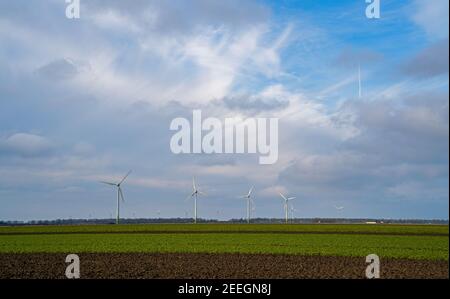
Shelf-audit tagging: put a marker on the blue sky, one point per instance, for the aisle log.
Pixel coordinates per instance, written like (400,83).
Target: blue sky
(88,99)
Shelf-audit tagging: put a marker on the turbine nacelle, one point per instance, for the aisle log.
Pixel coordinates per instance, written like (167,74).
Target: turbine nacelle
(286,199)
(248,195)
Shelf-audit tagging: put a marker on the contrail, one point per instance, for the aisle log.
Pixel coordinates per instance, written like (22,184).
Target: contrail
(359,80)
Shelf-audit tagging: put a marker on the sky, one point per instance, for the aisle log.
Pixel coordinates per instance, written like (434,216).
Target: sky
(85,100)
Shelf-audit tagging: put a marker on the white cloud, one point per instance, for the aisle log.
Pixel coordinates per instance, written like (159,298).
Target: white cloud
(274,191)
(432,16)
(114,21)
(24,144)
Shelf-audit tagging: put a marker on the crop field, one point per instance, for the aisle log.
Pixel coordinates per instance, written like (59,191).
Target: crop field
(230,228)
(422,247)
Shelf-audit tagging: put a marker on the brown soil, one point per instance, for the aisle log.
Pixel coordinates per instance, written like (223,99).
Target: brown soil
(203,266)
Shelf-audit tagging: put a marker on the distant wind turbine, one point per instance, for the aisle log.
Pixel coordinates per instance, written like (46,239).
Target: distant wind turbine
(119,194)
(249,202)
(286,205)
(195,194)
(292,212)
(340,208)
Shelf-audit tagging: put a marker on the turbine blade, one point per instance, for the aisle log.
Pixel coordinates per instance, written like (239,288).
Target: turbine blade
(107,183)
(121,194)
(193,184)
(125,177)
(250,192)
(189,197)
(283,197)
(290,198)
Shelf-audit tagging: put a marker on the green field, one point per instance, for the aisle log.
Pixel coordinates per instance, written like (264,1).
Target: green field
(394,241)
(307,228)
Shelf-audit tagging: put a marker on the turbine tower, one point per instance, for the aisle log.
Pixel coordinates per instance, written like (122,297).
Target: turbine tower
(195,194)
(286,206)
(249,202)
(119,194)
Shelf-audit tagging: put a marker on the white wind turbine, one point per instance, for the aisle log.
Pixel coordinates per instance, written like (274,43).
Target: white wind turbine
(249,202)
(119,194)
(195,194)
(286,205)
(293,210)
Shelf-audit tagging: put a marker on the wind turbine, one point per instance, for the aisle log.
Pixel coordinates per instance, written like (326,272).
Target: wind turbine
(286,205)
(195,194)
(340,208)
(292,212)
(249,202)
(119,194)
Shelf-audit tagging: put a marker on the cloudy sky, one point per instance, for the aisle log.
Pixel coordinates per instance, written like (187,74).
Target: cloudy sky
(88,99)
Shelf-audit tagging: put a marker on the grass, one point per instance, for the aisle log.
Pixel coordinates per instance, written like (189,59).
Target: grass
(91,239)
